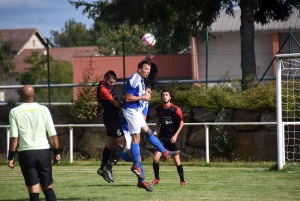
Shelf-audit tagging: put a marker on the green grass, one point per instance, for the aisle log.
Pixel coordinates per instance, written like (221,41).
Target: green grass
(215,181)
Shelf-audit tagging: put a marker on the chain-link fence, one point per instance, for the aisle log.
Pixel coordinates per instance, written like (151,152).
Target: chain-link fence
(60,71)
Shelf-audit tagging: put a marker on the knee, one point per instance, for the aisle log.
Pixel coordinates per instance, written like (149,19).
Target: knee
(156,158)
(122,141)
(136,138)
(45,187)
(148,133)
(177,160)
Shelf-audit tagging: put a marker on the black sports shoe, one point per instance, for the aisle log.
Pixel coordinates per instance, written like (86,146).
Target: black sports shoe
(137,171)
(108,173)
(169,154)
(145,186)
(102,174)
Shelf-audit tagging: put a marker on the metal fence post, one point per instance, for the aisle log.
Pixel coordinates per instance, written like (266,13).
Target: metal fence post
(207,143)
(71,144)
(48,68)
(7,140)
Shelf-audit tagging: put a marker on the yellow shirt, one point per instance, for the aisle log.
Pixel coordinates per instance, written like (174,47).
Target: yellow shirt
(29,122)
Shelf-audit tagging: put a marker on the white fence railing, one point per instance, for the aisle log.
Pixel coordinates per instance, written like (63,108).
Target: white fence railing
(206,124)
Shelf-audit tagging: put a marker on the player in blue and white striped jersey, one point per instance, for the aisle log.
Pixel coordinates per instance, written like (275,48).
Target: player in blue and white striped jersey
(132,111)
(126,154)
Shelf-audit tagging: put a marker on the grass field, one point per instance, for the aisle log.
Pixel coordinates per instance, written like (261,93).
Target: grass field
(213,182)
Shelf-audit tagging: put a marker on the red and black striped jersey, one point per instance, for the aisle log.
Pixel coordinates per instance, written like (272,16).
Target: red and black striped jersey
(170,119)
(104,95)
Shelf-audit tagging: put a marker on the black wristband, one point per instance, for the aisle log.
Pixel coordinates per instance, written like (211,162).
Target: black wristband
(11,155)
(56,151)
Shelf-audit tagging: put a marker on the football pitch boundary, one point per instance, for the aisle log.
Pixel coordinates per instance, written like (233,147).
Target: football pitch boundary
(202,183)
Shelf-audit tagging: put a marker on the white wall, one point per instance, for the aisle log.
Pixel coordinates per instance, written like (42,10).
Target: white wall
(224,55)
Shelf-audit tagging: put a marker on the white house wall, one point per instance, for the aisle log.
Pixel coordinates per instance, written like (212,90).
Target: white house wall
(224,55)
(263,45)
(33,43)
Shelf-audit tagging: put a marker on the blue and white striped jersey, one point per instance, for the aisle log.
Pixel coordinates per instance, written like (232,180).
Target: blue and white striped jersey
(145,108)
(135,86)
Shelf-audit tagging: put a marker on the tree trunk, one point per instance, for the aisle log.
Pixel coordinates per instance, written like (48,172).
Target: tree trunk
(248,63)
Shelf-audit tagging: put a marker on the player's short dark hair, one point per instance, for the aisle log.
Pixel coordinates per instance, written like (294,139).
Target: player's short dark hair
(169,91)
(144,61)
(148,87)
(110,74)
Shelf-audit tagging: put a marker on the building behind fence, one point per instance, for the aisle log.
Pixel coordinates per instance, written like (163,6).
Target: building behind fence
(216,59)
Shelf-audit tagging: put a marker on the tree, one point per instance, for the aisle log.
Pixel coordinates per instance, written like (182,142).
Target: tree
(110,39)
(6,58)
(60,72)
(192,17)
(84,107)
(74,34)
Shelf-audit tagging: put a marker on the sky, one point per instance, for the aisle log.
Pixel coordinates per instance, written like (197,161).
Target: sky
(45,15)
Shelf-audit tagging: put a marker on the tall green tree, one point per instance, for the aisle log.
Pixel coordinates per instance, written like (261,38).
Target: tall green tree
(6,58)
(73,34)
(60,72)
(192,17)
(110,38)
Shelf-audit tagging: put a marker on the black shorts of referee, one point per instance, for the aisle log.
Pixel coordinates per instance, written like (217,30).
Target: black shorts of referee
(36,167)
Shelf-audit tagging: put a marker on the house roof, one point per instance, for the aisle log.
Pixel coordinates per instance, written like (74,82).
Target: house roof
(226,23)
(20,36)
(60,54)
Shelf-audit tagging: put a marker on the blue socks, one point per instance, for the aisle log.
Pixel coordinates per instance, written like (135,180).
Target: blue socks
(142,169)
(155,142)
(135,151)
(124,156)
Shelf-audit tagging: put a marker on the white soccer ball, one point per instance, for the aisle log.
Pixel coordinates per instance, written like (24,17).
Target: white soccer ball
(148,40)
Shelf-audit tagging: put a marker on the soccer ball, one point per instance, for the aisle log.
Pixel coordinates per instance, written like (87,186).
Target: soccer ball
(148,40)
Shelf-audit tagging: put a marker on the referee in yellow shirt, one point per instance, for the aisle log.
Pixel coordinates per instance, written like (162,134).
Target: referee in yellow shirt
(29,123)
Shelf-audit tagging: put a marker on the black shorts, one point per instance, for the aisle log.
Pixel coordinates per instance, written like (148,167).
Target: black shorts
(36,167)
(114,129)
(170,146)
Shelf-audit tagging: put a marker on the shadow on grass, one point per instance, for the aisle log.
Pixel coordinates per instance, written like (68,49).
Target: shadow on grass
(65,199)
(115,185)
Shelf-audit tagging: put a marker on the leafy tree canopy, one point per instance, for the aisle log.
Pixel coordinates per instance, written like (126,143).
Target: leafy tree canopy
(6,58)
(74,34)
(191,17)
(110,39)
(60,72)
(175,16)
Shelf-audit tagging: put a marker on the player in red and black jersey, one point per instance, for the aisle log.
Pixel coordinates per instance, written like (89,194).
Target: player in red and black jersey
(170,121)
(112,121)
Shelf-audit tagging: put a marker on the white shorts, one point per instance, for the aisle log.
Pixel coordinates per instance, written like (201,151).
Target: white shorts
(128,140)
(135,119)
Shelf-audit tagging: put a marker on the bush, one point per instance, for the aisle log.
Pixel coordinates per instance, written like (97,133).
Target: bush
(85,106)
(221,96)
